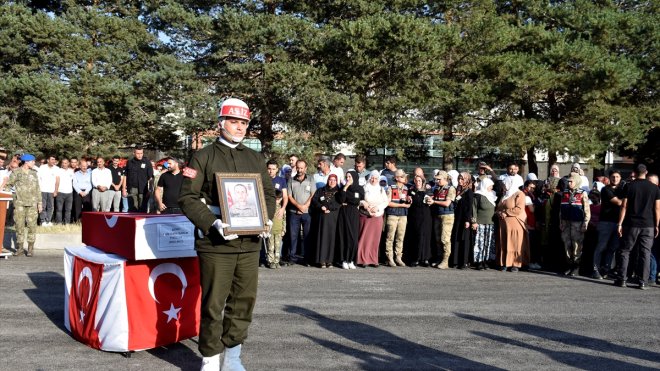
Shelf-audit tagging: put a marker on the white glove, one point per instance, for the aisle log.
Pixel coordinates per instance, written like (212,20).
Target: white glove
(266,233)
(220,226)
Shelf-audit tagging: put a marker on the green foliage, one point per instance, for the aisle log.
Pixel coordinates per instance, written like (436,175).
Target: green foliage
(576,77)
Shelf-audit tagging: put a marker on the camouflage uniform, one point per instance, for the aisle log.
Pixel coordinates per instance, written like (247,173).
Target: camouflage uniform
(275,241)
(27,200)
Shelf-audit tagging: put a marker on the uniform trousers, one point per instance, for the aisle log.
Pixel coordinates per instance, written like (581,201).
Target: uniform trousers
(229,283)
(442,226)
(396,227)
(25,220)
(573,237)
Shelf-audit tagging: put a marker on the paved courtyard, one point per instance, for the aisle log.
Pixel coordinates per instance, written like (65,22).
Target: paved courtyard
(369,319)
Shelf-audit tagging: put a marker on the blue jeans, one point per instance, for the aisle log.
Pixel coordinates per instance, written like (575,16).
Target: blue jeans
(608,244)
(294,223)
(655,253)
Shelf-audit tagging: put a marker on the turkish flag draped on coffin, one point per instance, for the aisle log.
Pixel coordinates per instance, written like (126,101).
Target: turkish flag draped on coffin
(84,300)
(118,305)
(167,293)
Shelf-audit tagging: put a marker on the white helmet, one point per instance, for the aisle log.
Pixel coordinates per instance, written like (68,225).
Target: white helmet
(236,108)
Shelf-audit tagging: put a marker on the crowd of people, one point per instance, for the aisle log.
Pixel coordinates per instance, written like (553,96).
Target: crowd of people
(67,187)
(337,218)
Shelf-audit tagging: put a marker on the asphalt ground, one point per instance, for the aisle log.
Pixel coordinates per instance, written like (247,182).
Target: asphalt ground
(369,319)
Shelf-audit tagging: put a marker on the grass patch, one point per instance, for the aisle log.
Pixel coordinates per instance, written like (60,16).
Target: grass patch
(55,228)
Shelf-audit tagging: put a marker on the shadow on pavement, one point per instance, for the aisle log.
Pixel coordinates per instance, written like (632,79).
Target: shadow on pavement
(570,339)
(401,354)
(48,295)
(179,355)
(578,360)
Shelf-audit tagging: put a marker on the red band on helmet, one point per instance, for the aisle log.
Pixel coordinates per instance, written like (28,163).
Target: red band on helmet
(235,111)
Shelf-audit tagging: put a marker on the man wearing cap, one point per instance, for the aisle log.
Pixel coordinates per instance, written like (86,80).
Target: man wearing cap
(443,205)
(574,216)
(228,263)
(485,171)
(396,218)
(638,226)
(27,203)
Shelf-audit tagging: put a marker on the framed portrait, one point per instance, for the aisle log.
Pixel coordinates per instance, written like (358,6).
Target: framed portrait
(242,203)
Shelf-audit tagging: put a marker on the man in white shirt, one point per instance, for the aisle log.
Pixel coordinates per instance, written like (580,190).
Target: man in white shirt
(336,167)
(49,179)
(64,199)
(101,182)
(512,172)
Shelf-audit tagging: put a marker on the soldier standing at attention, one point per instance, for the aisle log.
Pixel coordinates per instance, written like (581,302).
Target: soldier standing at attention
(27,203)
(228,264)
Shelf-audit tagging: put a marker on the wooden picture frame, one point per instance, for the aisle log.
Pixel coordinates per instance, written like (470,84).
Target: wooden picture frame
(242,203)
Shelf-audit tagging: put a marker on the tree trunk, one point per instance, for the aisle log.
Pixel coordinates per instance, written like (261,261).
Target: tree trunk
(532,166)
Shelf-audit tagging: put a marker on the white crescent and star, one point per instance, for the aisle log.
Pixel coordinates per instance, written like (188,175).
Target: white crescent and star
(176,270)
(85,273)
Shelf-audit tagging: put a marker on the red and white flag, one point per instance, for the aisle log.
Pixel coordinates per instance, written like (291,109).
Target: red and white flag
(167,294)
(84,300)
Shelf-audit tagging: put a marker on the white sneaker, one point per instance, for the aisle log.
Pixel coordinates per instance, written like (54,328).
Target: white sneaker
(351,265)
(211,363)
(344,265)
(232,360)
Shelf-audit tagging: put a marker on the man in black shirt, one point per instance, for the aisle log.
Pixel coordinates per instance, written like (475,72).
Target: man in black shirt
(608,236)
(167,190)
(638,225)
(117,185)
(139,178)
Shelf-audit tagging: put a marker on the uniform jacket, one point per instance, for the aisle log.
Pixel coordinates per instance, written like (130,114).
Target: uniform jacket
(199,189)
(26,184)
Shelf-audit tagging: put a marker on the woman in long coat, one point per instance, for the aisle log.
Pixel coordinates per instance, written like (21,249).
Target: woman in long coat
(461,241)
(372,209)
(325,205)
(417,243)
(348,226)
(513,243)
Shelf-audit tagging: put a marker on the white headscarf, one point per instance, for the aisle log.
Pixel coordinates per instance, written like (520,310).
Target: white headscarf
(454,177)
(482,189)
(511,189)
(532,176)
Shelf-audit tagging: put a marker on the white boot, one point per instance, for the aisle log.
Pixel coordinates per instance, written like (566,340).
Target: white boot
(211,363)
(232,361)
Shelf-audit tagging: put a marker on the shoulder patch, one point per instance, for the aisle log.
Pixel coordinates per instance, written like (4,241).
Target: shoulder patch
(189,172)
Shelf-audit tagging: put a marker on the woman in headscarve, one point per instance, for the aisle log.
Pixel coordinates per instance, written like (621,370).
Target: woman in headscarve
(417,242)
(461,232)
(325,205)
(348,226)
(513,247)
(483,209)
(372,209)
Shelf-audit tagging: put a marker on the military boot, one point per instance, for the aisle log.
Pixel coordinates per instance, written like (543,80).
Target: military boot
(444,264)
(30,251)
(19,251)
